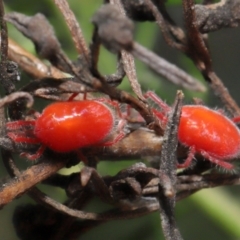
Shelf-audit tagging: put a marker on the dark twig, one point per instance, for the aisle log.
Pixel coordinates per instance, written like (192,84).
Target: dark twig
(167,173)
(43,199)
(14,96)
(3,65)
(187,185)
(4,35)
(169,31)
(198,51)
(55,89)
(222,92)
(197,48)
(212,17)
(129,67)
(7,85)
(112,35)
(128,60)
(109,19)
(116,78)
(27,179)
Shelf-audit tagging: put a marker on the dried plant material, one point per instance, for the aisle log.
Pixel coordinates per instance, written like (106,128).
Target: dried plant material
(74,27)
(27,180)
(114,29)
(168,70)
(133,191)
(32,64)
(198,51)
(167,172)
(14,96)
(39,30)
(212,17)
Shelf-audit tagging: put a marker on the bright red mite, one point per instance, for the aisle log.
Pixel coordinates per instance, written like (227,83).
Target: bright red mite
(68,126)
(204,131)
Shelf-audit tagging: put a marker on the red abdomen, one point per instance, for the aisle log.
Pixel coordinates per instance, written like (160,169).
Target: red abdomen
(67,126)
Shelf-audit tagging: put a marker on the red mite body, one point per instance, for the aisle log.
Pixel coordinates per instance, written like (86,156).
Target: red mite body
(208,131)
(204,131)
(67,126)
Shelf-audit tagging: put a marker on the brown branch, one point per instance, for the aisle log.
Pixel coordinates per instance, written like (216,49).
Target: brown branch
(167,172)
(198,51)
(74,28)
(116,35)
(4,65)
(187,185)
(197,48)
(39,30)
(4,35)
(14,96)
(212,17)
(31,64)
(170,71)
(169,31)
(148,145)
(27,180)
(128,60)
(43,199)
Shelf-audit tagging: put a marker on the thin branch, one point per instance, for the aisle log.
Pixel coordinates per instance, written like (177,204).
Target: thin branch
(128,60)
(14,96)
(31,64)
(167,173)
(39,30)
(27,179)
(4,35)
(170,71)
(7,85)
(166,28)
(74,28)
(199,52)
(112,34)
(212,17)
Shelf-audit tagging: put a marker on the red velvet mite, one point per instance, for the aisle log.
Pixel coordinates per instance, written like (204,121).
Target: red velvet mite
(204,131)
(68,126)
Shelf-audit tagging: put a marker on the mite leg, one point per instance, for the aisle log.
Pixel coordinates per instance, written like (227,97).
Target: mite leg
(189,159)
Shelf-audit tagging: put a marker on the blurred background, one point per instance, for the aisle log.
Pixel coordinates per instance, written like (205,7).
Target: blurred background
(208,214)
